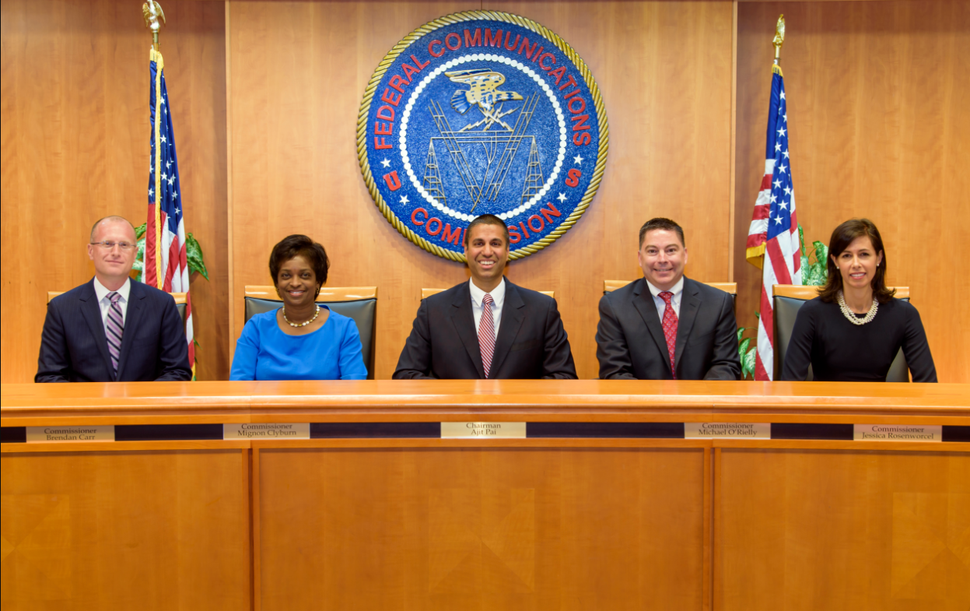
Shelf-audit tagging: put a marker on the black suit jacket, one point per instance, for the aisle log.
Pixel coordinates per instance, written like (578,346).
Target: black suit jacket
(630,339)
(531,341)
(73,347)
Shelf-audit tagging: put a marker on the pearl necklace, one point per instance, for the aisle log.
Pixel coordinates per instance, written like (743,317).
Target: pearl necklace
(852,317)
(297,325)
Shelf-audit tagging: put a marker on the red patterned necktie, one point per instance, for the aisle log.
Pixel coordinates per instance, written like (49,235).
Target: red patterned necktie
(670,328)
(115,329)
(486,333)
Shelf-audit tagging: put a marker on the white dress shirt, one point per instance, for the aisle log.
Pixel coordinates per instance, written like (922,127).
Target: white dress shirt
(105,302)
(677,290)
(498,299)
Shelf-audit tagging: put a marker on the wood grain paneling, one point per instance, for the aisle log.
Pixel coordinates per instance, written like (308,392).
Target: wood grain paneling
(297,76)
(125,530)
(875,91)
(876,106)
(818,530)
(75,148)
(477,528)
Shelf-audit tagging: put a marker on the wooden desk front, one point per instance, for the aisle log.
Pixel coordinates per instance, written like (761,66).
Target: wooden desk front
(604,505)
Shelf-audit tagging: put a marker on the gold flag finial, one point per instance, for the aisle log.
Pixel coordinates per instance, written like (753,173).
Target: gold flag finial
(779,38)
(152,12)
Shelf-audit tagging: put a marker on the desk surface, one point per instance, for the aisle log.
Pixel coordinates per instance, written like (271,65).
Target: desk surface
(606,501)
(430,400)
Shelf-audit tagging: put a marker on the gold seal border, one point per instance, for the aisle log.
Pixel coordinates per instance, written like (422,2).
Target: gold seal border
(604,132)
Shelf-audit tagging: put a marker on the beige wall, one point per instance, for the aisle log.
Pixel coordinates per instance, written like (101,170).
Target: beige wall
(877,104)
(75,134)
(265,98)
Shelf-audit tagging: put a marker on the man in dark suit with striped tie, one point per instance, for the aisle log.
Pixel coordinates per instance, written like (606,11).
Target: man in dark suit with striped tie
(112,329)
(666,326)
(487,327)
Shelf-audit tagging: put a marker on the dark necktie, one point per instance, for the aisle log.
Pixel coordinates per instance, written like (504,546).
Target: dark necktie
(670,328)
(115,329)
(486,333)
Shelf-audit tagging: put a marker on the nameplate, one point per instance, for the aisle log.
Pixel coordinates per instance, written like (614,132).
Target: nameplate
(726,430)
(56,434)
(267,430)
(482,430)
(897,432)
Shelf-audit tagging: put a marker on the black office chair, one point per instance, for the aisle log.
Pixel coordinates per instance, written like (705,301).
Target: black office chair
(357,302)
(425,293)
(788,299)
(178,297)
(731,288)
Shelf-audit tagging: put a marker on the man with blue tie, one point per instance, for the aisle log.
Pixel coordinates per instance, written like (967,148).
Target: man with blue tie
(112,329)
(665,326)
(487,327)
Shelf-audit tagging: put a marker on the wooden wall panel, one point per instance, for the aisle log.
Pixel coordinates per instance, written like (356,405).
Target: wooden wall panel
(298,71)
(126,530)
(818,530)
(875,91)
(877,94)
(75,148)
(473,528)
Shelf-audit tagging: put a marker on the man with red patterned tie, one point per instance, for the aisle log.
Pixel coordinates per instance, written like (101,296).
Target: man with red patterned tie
(112,329)
(487,327)
(665,326)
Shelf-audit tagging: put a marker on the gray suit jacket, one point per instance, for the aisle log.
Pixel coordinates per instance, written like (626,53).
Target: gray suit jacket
(630,339)
(531,341)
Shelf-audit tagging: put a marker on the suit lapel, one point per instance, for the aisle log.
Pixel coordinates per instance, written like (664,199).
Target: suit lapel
(91,311)
(643,302)
(132,319)
(464,322)
(689,304)
(513,313)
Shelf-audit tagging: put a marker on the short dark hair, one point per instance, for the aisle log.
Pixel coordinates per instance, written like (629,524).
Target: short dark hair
(114,218)
(299,246)
(664,224)
(843,235)
(487,219)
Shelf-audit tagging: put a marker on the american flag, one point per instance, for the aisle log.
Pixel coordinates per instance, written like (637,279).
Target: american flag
(166,265)
(773,243)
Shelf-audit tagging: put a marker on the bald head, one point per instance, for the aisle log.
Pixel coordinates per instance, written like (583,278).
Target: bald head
(109,220)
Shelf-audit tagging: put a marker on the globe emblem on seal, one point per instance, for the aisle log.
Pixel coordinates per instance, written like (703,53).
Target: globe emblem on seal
(482,113)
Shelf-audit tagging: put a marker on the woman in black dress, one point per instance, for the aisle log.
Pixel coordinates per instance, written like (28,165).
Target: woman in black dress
(853,330)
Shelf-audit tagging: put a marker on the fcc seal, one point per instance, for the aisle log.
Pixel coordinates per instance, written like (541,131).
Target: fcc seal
(482,113)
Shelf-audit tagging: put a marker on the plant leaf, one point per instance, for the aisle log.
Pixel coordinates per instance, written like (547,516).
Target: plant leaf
(193,253)
(138,267)
(748,363)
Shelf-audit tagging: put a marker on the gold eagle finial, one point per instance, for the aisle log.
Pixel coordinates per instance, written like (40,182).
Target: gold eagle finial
(779,38)
(152,12)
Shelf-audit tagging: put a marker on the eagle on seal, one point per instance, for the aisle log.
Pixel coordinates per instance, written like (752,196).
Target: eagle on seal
(482,91)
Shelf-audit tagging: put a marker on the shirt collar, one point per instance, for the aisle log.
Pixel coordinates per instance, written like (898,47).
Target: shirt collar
(676,289)
(102,292)
(498,294)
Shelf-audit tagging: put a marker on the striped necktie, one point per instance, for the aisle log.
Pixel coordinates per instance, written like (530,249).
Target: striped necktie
(114,329)
(670,328)
(486,333)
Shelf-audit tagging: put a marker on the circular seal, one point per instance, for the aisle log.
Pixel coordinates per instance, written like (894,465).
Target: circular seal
(482,112)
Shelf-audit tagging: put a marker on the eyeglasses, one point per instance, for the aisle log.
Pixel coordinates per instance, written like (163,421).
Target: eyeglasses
(108,245)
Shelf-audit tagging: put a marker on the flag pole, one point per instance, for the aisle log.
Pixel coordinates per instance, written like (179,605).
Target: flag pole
(154,19)
(772,243)
(777,41)
(152,12)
